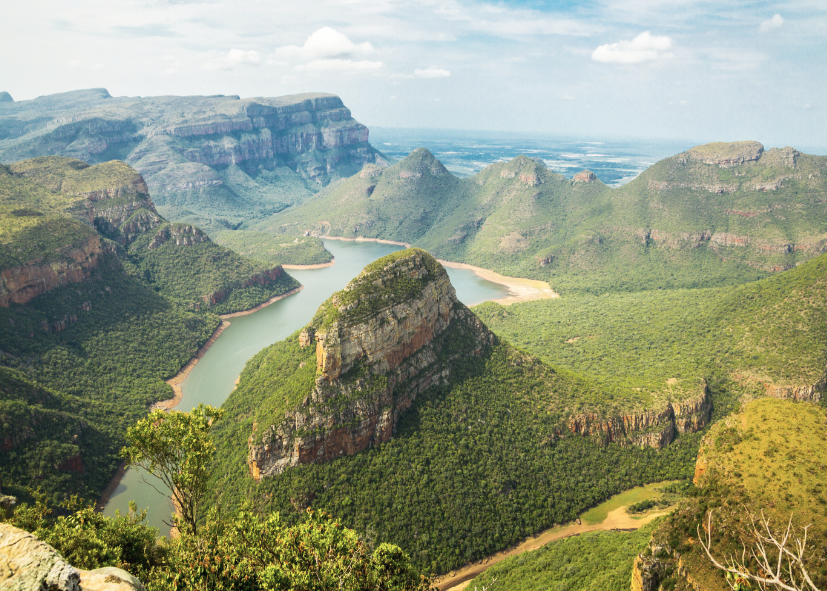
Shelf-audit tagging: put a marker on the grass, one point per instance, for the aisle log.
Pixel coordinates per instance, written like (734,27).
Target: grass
(646,492)
(594,560)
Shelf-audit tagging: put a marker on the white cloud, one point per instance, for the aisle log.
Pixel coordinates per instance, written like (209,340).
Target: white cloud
(326,43)
(643,48)
(235,57)
(424,73)
(772,23)
(567,97)
(338,65)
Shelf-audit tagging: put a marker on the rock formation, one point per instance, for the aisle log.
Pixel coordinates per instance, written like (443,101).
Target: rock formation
(20,284)
(378,345)
(654,428)
(182,144)
(584,176)
(26,564)
(726,154)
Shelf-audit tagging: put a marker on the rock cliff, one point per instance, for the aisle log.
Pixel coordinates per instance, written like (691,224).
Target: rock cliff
(379,343)
(184,145)
(654,428)
(20,284)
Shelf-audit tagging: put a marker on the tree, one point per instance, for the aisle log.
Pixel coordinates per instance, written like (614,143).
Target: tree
(780,567)
(176,448)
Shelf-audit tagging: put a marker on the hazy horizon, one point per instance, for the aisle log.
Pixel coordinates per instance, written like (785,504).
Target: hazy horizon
(607,68)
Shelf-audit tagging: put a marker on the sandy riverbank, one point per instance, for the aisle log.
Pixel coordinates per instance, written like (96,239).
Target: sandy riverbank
(519,289)
(616,520)
(262,305)
(307,267)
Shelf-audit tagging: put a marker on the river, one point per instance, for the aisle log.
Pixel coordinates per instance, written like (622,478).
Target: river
(212,380)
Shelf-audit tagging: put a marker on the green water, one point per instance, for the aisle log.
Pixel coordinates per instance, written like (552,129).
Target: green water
(213,378)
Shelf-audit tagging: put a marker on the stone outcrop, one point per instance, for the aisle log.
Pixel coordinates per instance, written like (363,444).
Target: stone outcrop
(725,154)
(584,176)
(26,563)
(20,284)
(653,428)
(811,393)
(377,347)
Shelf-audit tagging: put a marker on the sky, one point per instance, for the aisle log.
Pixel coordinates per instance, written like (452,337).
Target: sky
(672,69)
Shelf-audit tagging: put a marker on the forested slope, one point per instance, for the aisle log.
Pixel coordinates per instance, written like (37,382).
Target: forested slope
(719,214)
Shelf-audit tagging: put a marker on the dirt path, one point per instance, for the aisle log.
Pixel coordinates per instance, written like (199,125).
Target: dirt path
(616,520)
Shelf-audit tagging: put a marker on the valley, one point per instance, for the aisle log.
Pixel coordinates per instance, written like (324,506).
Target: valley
(442,366)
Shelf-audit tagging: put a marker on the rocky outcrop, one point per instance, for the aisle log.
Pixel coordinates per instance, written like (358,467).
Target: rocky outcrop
(653,428)
(77,262)
(182,144)
(811,393)
(27,564)
(378,346)
(584,176)
(725,154)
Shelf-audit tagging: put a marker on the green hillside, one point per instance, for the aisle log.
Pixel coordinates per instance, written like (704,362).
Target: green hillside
(274,248)
(766,458)
(769,333)
(481,459)
(102,300)
(715,215)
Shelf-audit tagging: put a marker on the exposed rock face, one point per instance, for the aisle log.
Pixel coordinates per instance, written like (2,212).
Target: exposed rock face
(377,348)
(182,144)
(27,564)
(799,393)
(21,284)
(585,176)
(726,154)
(655,428)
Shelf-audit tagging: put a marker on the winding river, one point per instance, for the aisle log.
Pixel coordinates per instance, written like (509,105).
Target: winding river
(212,380)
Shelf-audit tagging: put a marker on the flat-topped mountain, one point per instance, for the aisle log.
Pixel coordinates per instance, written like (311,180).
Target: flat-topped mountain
(207,156)
(723,213)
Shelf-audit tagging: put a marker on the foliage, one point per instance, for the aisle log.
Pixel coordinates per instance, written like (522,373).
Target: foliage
(638,345)
(270,248)
(189,275)
(176,448)
(88,539)
(89,359)
(474,466)
(594,560)
(246,551)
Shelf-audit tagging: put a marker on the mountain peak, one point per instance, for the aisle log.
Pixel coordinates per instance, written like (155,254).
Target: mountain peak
(420,162)
(5,97)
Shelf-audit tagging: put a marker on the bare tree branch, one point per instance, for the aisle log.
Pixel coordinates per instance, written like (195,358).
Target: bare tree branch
(780,575)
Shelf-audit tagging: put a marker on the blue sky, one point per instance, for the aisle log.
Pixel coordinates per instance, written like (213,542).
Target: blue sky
(684,69)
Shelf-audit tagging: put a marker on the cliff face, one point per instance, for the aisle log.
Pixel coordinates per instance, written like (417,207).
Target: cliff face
(183,145)
(655,428)
(377,348)
(20,284)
